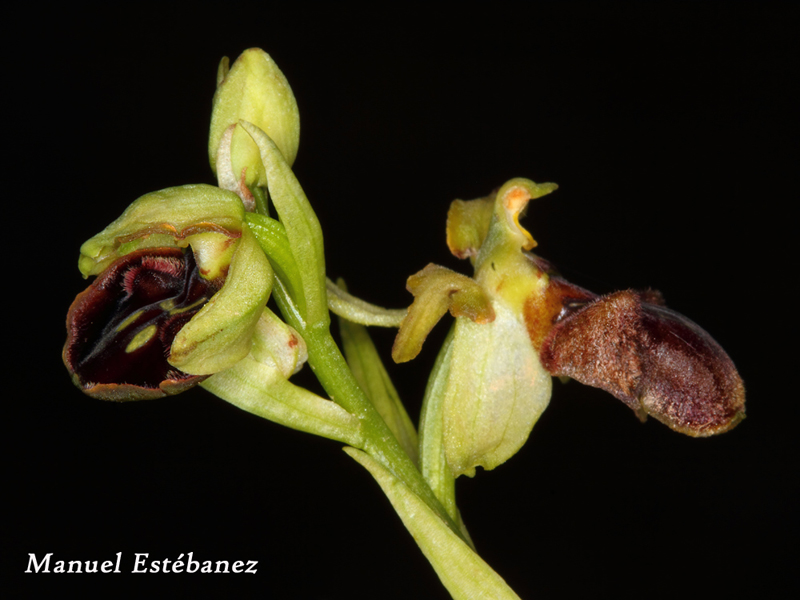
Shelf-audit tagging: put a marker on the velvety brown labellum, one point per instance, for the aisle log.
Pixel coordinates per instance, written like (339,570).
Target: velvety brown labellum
(120,329)
(655,360)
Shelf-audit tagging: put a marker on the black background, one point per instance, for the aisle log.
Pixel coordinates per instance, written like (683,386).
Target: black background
(671,131)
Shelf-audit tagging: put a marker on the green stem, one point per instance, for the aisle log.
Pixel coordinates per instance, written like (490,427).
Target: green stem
(304,239)
(334,374)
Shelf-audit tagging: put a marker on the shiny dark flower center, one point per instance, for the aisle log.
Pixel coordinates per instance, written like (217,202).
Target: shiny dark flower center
(121,328)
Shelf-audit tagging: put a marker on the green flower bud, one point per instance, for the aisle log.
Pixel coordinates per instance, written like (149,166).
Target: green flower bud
(253,90)
(181,285)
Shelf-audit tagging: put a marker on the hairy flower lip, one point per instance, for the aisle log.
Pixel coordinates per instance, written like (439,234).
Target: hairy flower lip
(119,330)
(657,361)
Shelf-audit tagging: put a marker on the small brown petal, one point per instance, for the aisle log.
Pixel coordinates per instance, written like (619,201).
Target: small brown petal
(655,360)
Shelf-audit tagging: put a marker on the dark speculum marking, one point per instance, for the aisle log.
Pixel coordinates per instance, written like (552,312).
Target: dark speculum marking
(120,329)
(655,360)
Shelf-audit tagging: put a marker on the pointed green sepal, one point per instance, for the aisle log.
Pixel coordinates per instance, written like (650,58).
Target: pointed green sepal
(496,390)
(300,222)
(221,333)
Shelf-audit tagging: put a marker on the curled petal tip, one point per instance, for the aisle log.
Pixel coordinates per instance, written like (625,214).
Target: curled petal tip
(437,290)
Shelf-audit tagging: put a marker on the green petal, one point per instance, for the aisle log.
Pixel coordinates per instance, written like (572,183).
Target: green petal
(437,290)
(468,224)
(221,333)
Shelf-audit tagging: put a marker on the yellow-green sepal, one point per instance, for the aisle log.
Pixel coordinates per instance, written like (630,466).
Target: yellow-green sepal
(465,575)
(495,392)
(254,89)
(301,225)
(167,218)
(221,333)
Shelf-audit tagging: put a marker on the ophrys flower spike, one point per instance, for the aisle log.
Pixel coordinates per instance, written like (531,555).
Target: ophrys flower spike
(180,298)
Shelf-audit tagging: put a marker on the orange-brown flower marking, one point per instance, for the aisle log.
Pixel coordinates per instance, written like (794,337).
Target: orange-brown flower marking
(655,360)
(560,297)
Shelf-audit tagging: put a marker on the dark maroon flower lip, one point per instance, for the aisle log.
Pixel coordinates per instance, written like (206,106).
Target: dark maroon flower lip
(652,358)
(120,329)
